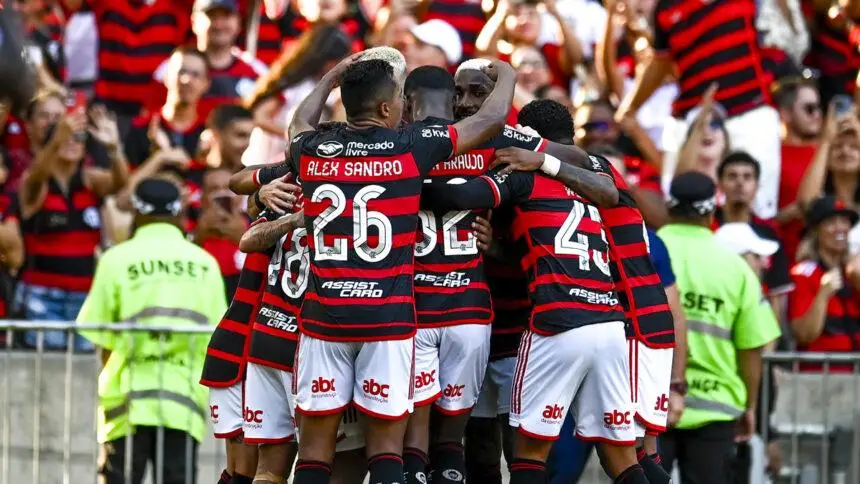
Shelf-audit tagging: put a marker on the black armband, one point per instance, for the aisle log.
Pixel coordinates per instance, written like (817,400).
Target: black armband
(267,174)
(257,201)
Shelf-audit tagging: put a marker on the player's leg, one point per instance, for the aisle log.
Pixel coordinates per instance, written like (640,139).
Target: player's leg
(226,414)
(483,436)
(651,375)
(550,370)
(416,443)
(463,355)
(246,461)
(383,382)
(350,467)
(269,422)
(324,375)
(603,407)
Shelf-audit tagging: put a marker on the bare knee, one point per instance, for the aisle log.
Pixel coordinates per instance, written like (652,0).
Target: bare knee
(385,436)
(616,458)
(418,429)
(531,448)
(318,435)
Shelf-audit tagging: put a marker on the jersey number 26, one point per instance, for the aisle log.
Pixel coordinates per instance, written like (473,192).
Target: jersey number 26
(362,220)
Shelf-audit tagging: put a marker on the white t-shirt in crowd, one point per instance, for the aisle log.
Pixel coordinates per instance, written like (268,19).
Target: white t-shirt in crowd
(586,17)
(80,44)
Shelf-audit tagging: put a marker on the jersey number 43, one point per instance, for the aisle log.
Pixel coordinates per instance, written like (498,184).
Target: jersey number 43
(568,242)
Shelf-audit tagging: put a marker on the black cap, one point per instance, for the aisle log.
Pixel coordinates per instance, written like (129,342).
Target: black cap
(825,207)
(207,5)
(155,196)
(693,193)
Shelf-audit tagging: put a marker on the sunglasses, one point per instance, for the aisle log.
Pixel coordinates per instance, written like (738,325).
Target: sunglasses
(716,124)
(597,126)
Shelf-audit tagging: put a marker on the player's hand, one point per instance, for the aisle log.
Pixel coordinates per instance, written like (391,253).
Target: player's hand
(527,130)
(517,159)
(70,125)
(176,157)
(104,128)
(483,232)
(831,282)
(342,66)
(280,195)
(157,137)
(498,70)
(746,426)
(676,408)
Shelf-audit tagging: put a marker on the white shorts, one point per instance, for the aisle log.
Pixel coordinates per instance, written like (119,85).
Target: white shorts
(268,406)
(450,363)
(226,411)
(495,396)
(375,376)
(650,377)
(585,368)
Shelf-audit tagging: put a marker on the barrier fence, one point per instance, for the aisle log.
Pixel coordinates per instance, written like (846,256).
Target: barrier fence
(49,402)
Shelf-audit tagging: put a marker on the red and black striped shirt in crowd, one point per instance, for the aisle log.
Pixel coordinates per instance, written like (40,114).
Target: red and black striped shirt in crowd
(61,238)
(361,191)
(509,288)
(835,51)
(275,333)
(567,263)
(450,284)
(135,37)
(231,84)
(467,16)
(713,41)
(227,352)
(637,282)
(842,317)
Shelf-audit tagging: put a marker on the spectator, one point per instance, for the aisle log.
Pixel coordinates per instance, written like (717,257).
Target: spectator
(585,18)
(712,43)
(825,306)
(532,70)
(836,168)
(60,199)
(554,93)
(43,111)
(221,224)
(834,50)
(738,180)
(231,128)
(134,39)
(728,326)
(169,139)
(434,43)
(45,38)
(466,16)
(801,116)
(518,23)
(707,141)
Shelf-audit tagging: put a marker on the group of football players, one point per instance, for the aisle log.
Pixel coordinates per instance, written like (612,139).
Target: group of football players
(381,312)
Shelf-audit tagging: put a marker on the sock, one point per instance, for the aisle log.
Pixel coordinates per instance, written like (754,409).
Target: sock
(632,475)
(654,471)
(447,463)
(240,479)
(311,472)
(526,471)
(415,463)
(225,477)
(384,469)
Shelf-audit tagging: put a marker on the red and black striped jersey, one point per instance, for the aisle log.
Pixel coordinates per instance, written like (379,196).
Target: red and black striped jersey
(231,84)
(712,42)
(467,16)
(227,352)
(276,330)
(450,285)
(567,261)
(509,288)
(135,37)
(637,282)
(361,191)
(61,238)
(835,51)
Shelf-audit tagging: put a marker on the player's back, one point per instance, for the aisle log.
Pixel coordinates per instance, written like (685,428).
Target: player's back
(361,191)
(567,263)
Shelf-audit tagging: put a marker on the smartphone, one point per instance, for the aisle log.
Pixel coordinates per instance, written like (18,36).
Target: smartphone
(842,104)
(76,101)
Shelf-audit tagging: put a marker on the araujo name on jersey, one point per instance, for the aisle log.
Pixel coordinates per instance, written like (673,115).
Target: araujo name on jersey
(466,161)
(354,288)
(372,168)
(451,279)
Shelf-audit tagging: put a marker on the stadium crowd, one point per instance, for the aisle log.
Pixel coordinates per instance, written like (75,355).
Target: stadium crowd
(750,103)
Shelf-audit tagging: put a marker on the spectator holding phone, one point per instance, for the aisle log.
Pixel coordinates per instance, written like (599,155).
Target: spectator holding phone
(60,199)
(835,171)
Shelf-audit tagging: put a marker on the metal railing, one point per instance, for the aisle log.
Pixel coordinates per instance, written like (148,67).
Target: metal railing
(49,404)
(816,415)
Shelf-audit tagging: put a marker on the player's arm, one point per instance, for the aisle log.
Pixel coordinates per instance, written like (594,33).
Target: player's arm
(249,179)
(483,192)
(264,235)
(308,112)
(490,119)
(597,183)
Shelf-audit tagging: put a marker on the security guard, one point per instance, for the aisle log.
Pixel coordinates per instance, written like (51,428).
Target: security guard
(148,391)
(728,322)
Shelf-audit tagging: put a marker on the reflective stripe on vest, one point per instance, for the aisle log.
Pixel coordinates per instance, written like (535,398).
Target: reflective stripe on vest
(165,312)
(183,400)
(709,329)
(699,403)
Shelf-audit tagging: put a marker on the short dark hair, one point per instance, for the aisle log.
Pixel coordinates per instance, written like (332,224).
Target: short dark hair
(429,78)
(549,118)
(365,84)
(739,158)
(225,114)
(193,51)
(786,90)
